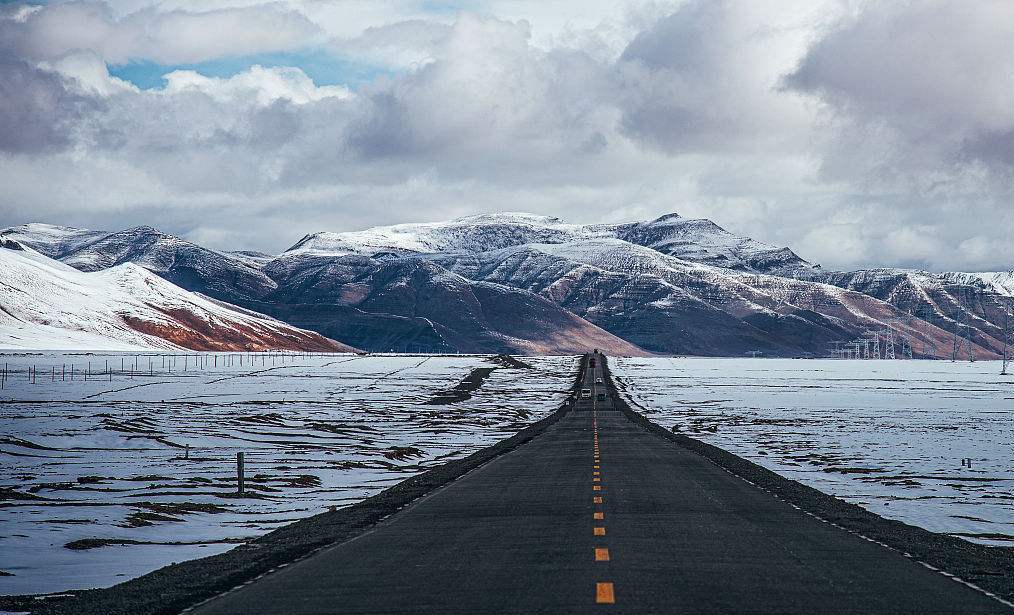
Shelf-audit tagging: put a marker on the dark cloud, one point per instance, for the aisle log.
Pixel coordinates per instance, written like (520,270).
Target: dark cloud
(38,113)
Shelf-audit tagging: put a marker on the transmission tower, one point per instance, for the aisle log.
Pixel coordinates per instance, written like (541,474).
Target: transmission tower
(873,338)
(889,344)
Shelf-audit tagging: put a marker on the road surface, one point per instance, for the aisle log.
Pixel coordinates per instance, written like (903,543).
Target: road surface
(597,514)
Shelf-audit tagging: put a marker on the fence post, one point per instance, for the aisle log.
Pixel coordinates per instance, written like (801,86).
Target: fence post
(239,473)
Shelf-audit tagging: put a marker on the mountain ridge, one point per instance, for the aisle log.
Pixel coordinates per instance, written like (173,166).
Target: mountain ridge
(671,285)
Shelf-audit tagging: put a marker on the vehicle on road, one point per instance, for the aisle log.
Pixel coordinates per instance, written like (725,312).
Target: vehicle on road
(586,393)
(598,381)
(601,397)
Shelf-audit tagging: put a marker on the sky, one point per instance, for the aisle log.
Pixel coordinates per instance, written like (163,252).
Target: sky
(860,133)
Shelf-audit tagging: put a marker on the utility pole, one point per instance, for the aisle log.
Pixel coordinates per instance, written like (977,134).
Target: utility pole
(1006,330)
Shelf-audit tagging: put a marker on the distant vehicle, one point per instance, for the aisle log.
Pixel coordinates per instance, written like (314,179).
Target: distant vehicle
(586,393)
(598,381)
(601,397)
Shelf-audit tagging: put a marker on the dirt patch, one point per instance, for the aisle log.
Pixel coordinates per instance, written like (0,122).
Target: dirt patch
(464,389)
(507,360)
(96,543)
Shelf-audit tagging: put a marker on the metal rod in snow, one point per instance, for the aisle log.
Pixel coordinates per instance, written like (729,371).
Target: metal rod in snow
(239,473)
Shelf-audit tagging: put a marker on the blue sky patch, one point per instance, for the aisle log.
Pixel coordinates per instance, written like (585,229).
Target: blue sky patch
(323,67)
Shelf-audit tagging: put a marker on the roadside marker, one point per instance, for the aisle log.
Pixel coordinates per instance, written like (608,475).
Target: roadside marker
(601,555)
(604,593)
(598,531)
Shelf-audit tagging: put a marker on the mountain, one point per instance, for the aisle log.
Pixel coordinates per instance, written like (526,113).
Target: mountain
(411,303)
(47,304)
(524,283)
(968,305)
(700,241)
(669,305)
(229,277)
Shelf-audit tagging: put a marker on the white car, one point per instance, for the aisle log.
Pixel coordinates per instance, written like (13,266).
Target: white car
(586,393)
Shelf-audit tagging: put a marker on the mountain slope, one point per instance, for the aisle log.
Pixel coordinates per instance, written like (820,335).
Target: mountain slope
(229,277)
(695,240)
(665,304)
(957,303)
(46,304)
(413,304)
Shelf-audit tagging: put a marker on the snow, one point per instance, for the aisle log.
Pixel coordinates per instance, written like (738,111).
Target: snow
(887,435)
(691,239)
(50,239)
(50,305)
(1000,282)
(316,431)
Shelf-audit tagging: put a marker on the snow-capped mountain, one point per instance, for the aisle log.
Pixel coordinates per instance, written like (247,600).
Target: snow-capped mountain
(999,282)
(230,277)
(695,240)
(517,282)
(47,304)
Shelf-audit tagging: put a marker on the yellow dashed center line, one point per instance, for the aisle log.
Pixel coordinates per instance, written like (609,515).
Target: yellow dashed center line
(604,593)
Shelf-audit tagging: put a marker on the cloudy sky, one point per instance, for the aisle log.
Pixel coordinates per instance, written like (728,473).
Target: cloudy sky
(857,132)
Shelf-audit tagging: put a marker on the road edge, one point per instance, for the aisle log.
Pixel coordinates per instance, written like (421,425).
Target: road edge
(176,587)
(987,569)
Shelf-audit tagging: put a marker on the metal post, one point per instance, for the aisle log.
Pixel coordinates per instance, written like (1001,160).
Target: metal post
(239,473)
(1006,329)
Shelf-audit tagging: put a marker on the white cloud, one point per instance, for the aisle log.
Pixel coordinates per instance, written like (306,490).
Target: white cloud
(165,37)
(259,84)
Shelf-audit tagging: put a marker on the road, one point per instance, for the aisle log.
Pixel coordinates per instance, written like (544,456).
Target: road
(598,514)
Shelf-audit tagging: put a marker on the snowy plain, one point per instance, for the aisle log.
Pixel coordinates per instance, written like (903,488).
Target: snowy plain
(104,464)
(887,435)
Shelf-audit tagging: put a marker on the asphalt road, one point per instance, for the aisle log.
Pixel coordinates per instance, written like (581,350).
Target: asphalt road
(598,514)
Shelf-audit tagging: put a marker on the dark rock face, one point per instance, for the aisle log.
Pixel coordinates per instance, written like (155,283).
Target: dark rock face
(521,283)
(413,304)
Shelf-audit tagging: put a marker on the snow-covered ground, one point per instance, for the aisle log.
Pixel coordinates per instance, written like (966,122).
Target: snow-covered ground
(107,458)
(887,435)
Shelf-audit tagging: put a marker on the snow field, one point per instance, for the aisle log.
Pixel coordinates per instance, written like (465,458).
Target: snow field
(887,435)
(152,459)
